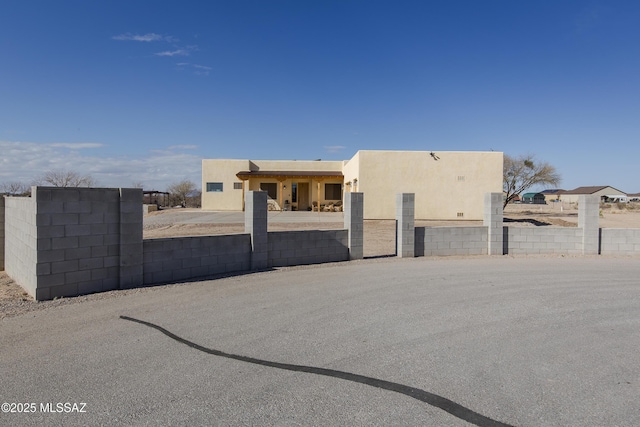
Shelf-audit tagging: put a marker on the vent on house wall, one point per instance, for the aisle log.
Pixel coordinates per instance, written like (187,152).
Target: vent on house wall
(460,177)
(237,186)
(460,214)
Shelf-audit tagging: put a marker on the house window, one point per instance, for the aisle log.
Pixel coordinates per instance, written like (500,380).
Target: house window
(237,186)
(333,191)
(294,192)
(214,187)
(271,188)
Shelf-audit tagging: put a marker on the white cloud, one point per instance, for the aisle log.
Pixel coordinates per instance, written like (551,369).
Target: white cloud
(150,37)
(183,147)
(178,52)
(200,70)
(25,161)
(334,148)
(77,145)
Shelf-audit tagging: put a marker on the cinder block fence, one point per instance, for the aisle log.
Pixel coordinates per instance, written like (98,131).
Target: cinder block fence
(73,241)
(65,242)
(493,238)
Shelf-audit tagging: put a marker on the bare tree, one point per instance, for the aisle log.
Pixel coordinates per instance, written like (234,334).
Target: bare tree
(15,189)
(181,192)
(65,178)
(522,172)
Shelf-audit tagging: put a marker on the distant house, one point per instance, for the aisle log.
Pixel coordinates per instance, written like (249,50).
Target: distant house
(634,197)
(552,195)
(534,198)
(604,192)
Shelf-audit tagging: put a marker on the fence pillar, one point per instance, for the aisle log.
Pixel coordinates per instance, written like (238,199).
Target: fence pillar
(353,222)
(131,256)
(405,225)
(493,220)
(588,220)
(255,223)
(2,204)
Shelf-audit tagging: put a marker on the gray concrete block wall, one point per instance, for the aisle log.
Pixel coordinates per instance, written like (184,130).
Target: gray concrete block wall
(616,241)
(354,223)
(131,269)
(183,258)
(64,242)
(2,203)
(78,240)
(405,225)
(588,220)
(493,220)
(444,241)
(287,248)
(542,240)
(21,244)
(255,223)
(147,209)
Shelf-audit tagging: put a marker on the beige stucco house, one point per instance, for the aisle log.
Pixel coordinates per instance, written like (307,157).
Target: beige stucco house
(447,185)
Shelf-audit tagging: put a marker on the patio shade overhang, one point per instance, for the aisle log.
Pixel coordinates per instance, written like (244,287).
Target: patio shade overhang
(284,175)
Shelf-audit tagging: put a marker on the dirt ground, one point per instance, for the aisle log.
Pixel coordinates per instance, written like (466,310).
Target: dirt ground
(379,236)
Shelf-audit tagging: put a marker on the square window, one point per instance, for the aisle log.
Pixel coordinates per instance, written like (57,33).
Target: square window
(333,191)
(271,188)
(214,187)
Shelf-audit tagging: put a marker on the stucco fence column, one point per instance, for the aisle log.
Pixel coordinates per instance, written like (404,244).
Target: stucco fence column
(405,225)
(493,220)
(2,204)
(353,222)
(589,221)
(255,223)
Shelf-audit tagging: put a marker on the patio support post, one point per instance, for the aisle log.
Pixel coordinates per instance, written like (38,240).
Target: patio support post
(405,225)
(588,221)
(255,223)
(243,194)
(353,222)
(493,220)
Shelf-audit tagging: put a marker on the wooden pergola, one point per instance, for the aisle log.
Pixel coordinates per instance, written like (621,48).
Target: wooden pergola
(160,198)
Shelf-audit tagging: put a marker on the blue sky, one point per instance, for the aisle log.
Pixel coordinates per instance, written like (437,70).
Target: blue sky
(141,91)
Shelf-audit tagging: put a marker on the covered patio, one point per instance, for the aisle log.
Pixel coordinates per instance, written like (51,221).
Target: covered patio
(297,190)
